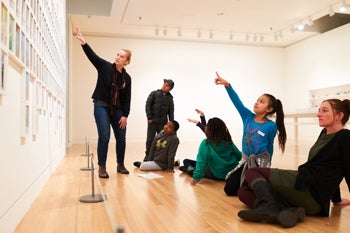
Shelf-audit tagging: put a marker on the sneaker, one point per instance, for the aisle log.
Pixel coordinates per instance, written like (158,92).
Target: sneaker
(137,164)
(177,163)
(102,172)
(121,169)
(190,172)
(183,168)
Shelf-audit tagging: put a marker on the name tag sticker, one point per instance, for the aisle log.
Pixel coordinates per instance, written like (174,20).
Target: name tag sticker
(261,133)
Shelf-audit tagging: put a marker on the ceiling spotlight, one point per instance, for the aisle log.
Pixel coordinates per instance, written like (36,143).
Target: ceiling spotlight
(343,7)
(231,36)
(292,29)
(179,33)
(301,27)
(331,11)
(309,21)
(255,37)
(280,34)
(211,34)
(261,38)
(156,31)
(199,33)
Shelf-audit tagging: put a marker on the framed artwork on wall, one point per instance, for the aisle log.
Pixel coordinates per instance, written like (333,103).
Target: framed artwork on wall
(30,39)
(3,62)
(22,46)
(12,3)
(27,87)
(35,123)
(12,34)
(17,40)
(26,105)
(3,24)
(18,8)
(27,112)
(23,12)
(26,59)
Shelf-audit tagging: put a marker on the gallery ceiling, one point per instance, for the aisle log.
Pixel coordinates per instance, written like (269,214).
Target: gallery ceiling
(254,22)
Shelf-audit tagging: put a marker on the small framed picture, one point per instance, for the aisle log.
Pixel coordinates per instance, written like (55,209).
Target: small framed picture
(3,65)
(4,24)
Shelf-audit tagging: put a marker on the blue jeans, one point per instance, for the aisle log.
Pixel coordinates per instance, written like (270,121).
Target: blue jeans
(103,122)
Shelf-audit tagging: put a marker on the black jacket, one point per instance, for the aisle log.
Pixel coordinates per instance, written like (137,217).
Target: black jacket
(160,107)
(324,172)
(104,81)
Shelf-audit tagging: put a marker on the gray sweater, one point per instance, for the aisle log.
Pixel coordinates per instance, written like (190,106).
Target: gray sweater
(163,150)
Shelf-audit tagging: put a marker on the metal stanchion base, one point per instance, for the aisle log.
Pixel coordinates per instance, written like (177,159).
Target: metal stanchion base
(120,230)
(85,168)
(92,199)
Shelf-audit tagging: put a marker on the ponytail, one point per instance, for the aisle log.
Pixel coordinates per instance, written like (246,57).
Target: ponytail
(277,108)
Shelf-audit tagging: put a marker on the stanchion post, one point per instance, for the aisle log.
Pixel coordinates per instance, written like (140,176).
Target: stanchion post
(88,158)
(93,198)
(86,148)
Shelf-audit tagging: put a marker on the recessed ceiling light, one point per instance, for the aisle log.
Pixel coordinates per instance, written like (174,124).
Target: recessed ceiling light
(301,27)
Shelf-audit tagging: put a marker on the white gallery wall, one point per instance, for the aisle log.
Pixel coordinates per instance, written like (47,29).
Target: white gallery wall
(251,70)
(287,73)
(32,103)
(318,62)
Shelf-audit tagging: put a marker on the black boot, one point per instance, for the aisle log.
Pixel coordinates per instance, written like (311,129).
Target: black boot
(121,169)
(102,172)
(268,209)
(298,211)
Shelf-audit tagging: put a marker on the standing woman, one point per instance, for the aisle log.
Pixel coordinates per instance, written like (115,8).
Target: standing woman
(111,98)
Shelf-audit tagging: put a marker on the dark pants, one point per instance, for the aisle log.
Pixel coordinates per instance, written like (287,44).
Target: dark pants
(233,183)
(246,193)
(152,130)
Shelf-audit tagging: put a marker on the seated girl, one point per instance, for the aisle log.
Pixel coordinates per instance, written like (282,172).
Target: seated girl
(217,154)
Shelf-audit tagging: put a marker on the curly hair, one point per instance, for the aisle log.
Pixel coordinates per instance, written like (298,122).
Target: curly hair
(217,132)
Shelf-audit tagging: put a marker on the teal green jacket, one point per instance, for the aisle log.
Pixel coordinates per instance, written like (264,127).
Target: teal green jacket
(220,159)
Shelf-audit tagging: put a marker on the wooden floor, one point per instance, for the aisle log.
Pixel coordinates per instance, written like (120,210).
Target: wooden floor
(168,204)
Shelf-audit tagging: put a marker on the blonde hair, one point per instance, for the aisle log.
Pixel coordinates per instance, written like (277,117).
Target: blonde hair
(128,54)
